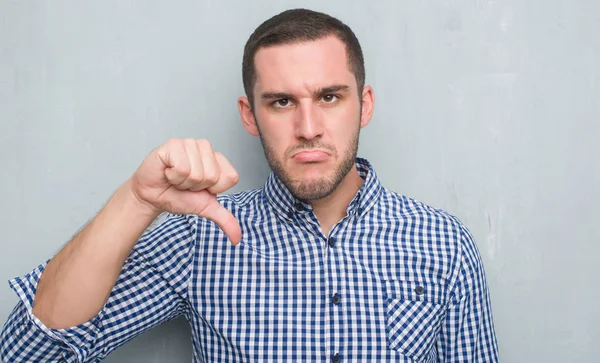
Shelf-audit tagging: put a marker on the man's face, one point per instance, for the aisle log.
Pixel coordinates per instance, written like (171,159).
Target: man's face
(307,110)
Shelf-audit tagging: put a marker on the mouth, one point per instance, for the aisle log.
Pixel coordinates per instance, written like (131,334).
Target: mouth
(311,156)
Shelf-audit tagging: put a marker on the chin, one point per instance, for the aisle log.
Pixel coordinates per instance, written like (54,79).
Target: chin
(313,189)
(309,173)
(313,184)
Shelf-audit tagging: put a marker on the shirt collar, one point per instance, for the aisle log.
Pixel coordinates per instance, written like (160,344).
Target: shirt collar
(280,198)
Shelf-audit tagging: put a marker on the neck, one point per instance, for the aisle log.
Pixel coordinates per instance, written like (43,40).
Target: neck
(332,208)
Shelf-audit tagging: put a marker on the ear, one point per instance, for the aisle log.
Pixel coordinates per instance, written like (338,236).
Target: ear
(247,116)
(368,105)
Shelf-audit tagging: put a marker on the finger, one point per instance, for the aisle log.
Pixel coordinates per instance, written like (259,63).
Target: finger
(225,220)
(228,175)
(210,165)
(196,174)
(174,158)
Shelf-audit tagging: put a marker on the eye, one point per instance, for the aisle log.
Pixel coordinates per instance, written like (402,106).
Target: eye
(282,103)
(329,98)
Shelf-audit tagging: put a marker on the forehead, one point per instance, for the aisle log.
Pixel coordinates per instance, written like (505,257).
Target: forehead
(302,67)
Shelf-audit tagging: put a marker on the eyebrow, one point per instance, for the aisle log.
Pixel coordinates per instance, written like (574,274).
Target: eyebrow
(332,89)
(320,91)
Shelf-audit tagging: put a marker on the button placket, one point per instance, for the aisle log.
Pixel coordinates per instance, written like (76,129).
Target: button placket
(336,269)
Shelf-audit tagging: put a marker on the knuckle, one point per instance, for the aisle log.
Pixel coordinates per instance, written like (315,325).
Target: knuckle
(234,177)
(173,142)
(204,144)
(196,178)
(183,169)
(211,176)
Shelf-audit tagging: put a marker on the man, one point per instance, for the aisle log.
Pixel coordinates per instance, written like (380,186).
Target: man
(324,262)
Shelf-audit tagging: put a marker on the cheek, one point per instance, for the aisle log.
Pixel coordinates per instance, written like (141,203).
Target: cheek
(343,123)
(275,122)
(275,134)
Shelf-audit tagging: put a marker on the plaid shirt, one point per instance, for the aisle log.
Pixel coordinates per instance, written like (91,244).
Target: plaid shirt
(395,281)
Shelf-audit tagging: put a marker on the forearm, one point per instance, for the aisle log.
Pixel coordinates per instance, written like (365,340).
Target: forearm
(78,280)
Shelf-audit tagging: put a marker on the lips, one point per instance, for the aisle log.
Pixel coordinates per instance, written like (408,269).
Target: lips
(310,156)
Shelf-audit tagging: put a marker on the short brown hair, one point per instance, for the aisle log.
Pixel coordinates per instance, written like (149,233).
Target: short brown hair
(300,25)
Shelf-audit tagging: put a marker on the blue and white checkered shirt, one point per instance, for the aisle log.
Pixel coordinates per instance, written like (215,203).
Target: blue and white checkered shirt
(395,281)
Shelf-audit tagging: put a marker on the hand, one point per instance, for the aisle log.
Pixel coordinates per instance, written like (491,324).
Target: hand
(183,177)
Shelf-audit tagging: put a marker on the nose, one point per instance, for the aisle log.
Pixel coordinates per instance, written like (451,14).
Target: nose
(308,121)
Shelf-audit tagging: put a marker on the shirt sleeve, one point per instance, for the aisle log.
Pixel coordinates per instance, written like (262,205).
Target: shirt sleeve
(151,289)
(467,332)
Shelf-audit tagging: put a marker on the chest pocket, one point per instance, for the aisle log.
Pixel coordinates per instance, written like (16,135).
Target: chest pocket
(414,312)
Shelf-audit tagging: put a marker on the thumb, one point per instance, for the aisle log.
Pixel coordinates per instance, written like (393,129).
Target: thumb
(224,219)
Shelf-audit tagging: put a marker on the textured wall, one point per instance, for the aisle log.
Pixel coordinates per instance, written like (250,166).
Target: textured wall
(489,109)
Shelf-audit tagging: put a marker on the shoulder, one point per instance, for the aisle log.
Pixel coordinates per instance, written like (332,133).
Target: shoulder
(410,210)
(426,221)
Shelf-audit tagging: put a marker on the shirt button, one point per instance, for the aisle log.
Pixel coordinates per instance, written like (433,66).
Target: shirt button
(419,290)
(336,358)
(298,206)
(331,242)
(336,298)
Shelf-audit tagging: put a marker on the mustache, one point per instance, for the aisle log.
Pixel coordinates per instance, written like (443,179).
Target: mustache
(307,145)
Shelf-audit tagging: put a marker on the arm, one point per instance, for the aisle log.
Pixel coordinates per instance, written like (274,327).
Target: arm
(77,281)
(150,290)
(181,177)
(467,332)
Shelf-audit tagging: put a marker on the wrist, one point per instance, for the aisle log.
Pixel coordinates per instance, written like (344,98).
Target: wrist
(134,204)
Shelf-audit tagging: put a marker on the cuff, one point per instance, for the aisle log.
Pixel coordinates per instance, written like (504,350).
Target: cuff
(81,340)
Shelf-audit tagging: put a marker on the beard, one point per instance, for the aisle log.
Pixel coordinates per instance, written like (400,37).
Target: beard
(324,185)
